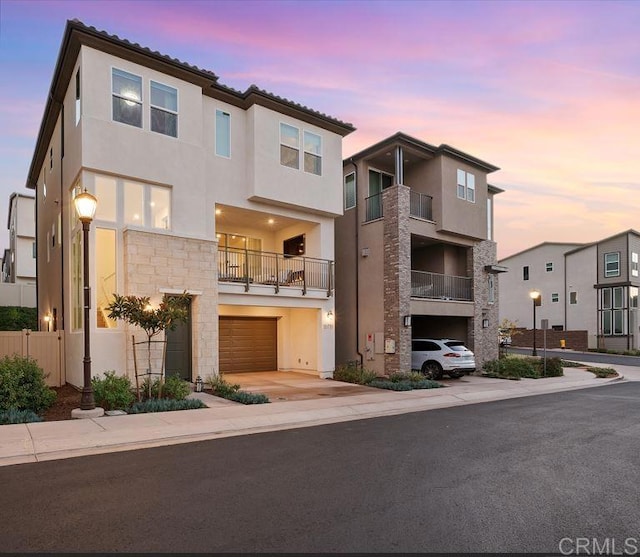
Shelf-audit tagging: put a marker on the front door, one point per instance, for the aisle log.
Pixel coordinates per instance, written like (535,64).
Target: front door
(178,360)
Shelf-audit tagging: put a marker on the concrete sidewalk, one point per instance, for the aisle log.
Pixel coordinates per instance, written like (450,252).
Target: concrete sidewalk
(35,442)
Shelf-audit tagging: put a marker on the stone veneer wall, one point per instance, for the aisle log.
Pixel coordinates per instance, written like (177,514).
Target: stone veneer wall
(397,276)
(156,262)
(484,341)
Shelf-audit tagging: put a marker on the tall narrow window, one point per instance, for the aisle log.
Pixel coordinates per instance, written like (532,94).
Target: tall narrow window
(489,219)
(525,272)
(492,288)
(289,146)
(77,97)
(106,278)
(634,264)
(76,281)
(633,296)
(223,134)
(127,97)
(160,204)
(106,192)
(312,153)
(471,188)
(350,191)
(462,187)
(133,203)
(164,109)
(612,264)
(573,298)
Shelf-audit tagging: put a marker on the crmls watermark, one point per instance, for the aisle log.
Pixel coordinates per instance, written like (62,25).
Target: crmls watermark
(599,546)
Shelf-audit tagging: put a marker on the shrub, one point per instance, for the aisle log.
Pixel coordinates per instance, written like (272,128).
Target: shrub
(22,385)
(391,385)
(113,392)
(245,397)
(352,373)
(165,405)
(16,318)
(411,376)
(220,387)
(405,384)
(175,388)
(567,363)
(14,416)
(554,367)
(602,372)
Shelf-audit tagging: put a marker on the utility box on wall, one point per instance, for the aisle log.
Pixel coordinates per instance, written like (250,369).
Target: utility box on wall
(389,346)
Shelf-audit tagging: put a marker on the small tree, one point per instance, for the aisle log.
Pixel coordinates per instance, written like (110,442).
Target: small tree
(508,329)
(137,310)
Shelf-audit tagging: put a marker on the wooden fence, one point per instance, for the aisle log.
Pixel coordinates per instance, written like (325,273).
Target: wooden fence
(46,348)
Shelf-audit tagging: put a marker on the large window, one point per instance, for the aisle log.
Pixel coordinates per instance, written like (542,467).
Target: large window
(164,109)
(350,191)
(223,134)
(141,204)
(289,146)
(613,313)
(312,153)
(612,264)
(466,186)
(127,97)
(106,277)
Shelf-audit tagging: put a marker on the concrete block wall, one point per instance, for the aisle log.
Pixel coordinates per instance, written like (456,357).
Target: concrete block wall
(157,263)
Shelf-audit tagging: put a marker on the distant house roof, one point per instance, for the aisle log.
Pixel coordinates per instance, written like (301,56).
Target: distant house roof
(77,34)
(404,139)
(570,246)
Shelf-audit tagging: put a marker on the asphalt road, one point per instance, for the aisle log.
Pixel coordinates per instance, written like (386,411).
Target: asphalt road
(518,475)
(595,357)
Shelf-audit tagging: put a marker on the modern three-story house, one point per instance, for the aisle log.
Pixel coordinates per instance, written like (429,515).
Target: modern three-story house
(230,196)
(415,255)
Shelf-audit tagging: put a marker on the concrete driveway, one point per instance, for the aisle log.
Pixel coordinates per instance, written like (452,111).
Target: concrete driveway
(281,386)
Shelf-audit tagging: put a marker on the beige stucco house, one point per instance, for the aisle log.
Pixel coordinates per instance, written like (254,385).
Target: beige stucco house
(228,195)
(415,256)
(592,287)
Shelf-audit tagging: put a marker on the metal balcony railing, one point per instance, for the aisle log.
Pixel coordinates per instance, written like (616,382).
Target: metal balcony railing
(420,205)
(251,267)
(441,287)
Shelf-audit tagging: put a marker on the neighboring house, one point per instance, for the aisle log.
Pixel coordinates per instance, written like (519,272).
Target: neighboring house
(228,195)
(415,256)
(19,262)
(592,287)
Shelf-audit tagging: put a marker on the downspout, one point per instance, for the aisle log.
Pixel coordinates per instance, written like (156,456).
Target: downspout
(357,264)
(61,231)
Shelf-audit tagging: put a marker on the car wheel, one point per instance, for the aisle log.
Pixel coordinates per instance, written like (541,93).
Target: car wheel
(431,370)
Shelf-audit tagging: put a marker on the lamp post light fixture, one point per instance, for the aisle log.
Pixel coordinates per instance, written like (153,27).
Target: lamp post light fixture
(85,205)
(535,297)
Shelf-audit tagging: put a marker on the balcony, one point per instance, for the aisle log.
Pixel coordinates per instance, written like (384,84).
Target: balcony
(435,286)
(420,206)
(252,268)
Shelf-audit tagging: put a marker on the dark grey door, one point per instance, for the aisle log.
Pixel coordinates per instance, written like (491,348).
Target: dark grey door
(178,360)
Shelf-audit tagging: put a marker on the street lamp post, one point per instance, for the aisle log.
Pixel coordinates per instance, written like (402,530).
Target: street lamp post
(535,296)
(85,205)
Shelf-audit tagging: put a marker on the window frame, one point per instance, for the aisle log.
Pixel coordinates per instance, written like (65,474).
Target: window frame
(305,152)
(153,107)
(548,267)
(555,297)
(139,102)
(525,272)
(285,145)
(220,112)
(608,273)
(345,190)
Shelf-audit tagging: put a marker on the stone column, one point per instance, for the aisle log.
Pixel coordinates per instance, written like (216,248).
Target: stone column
(397,276)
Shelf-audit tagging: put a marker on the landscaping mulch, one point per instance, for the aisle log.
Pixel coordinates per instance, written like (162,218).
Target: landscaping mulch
(67,399)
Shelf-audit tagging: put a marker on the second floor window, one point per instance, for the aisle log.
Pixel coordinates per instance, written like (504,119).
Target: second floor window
(549,267)
(127,97)
(164,109)
(612,264)
(573,298)
(555,297)
(525,272)
(634,264)
(289,146)
(350,191)
(312,153)
(223,134)
(466,188)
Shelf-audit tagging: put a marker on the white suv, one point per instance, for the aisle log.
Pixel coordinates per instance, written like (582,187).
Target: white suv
(435,357)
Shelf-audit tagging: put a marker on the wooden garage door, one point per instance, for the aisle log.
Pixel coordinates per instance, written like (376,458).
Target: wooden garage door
(248,344)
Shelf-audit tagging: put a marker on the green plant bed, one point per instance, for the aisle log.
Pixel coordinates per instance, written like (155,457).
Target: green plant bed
(165,405)
(221,388)
(352,373)
(245,397)
(14,416)
(522,367)
(603,372)
(394,384)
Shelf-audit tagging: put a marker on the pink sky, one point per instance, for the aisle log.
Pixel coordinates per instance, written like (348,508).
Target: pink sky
(547,91)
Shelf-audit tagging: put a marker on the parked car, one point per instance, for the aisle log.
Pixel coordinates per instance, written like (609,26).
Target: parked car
(437,357)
